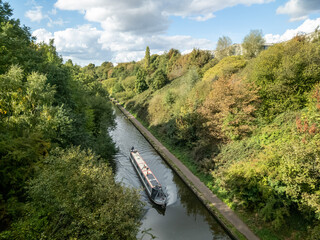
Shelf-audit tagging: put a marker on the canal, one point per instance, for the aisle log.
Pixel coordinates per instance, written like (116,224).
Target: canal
(185,216)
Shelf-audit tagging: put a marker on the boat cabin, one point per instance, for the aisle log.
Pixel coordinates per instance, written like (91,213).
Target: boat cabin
(150,182)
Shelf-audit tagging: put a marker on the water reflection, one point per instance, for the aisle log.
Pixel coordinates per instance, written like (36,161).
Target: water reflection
(185,216)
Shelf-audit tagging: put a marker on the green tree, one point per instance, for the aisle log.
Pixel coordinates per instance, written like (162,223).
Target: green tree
(198,58)
(224,47)
(284,73)
(5,11)
(30,124)
(159,79)
(147,58)
(16,46)
(103,70)
(43,104)
(253,43)
(75,196)
(140,84)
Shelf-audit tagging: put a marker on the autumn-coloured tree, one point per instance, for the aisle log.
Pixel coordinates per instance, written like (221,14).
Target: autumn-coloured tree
(229,109)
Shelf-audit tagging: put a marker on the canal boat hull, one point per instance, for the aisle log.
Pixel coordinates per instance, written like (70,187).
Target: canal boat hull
(149,181)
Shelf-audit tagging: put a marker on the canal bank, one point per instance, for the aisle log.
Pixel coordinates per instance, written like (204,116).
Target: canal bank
(228,219)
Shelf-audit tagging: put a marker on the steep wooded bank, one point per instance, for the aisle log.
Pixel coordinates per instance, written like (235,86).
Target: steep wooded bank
(55,152)
(247,125)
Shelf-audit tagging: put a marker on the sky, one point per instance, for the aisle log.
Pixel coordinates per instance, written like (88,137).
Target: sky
(95,31)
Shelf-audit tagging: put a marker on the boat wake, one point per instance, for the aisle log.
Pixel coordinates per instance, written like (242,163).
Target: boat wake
(172,194)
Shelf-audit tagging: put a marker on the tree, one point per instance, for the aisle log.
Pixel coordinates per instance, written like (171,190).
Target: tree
(159,79)
(253,43)
(75,196)
(229,109)
(284,73)
(224,48)
(147,58)
(198,58)
(15,42)
(141,84)
(5,11)
(103,70)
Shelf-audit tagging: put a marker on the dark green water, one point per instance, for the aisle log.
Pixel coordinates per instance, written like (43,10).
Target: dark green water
(185,216)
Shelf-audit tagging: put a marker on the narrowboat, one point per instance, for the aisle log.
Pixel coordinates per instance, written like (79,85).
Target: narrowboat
(150,182)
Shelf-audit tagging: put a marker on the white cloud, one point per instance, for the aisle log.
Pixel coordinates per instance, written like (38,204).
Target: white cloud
(203,18)
(132,48)
(128,26)
(53,11)
(147,16)
(299,9)
(308,26)
(59,22)
(35,15)
(78,44)
(86,44)
(42,35)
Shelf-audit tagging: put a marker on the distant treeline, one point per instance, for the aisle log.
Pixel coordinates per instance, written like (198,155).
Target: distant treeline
(55,152)
(250,122)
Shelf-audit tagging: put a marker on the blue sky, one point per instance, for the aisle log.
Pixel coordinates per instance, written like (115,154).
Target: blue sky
(94,31)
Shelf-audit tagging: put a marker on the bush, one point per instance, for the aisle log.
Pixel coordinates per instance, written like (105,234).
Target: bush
(159,80)
(108,84)
(75,196)
(129,83)
(225,68)
(284,73)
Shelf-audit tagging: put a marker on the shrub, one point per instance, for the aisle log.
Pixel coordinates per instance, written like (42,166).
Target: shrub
(284,73)
(129,83)
(159,80)
(225,68)
(75,196)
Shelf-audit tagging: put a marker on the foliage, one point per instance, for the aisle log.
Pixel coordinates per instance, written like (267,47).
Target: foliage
(16,46)
(192,76)
(253,43)
(225,68)
(140,84)
(109,84)
(103,71)
(229,109)
(284,73)
(199,58)
(224,47)
(129,83)
(209,65)
(45,105)
(75,196)
(159,79)
(251,122)
(170,98)
(173,56)
(147,58)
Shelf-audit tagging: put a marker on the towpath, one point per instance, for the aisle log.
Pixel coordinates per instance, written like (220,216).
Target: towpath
(202,191)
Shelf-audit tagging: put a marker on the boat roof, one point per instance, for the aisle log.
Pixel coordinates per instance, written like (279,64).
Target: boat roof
(153,181)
